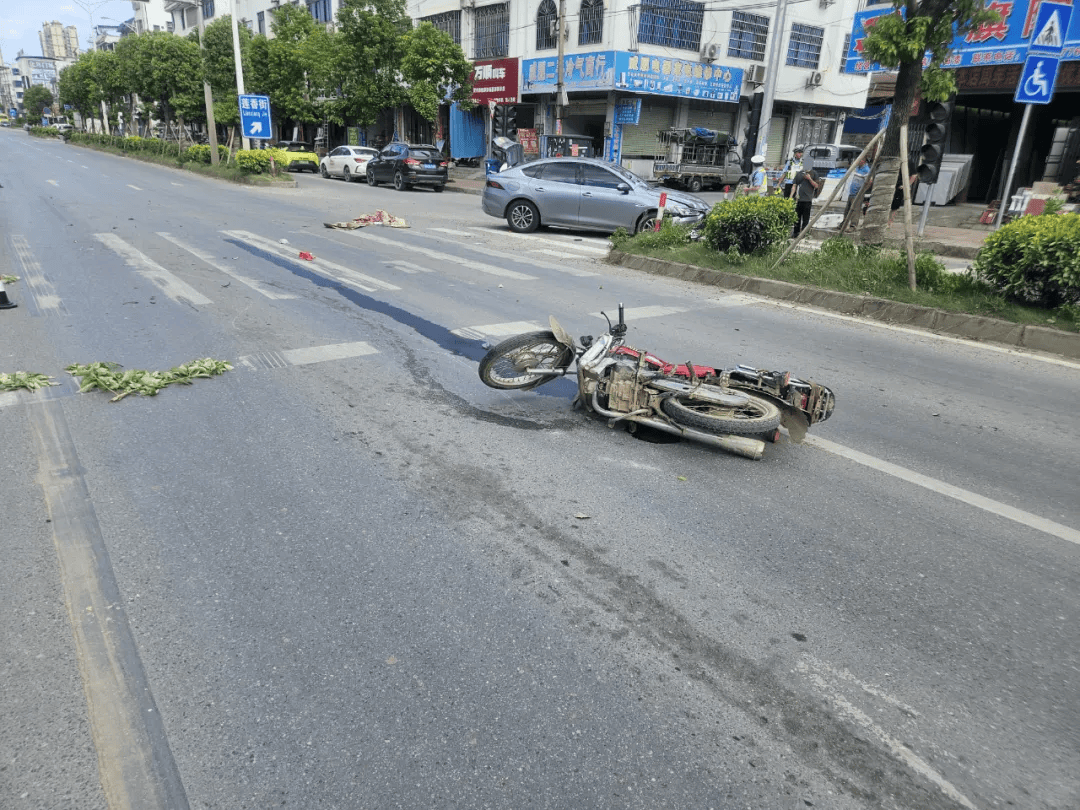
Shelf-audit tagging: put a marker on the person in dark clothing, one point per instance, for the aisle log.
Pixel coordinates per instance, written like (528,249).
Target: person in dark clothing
(807,183)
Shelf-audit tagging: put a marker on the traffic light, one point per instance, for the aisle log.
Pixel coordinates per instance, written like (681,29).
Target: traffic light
(757,101)
(506,121)
(938,115)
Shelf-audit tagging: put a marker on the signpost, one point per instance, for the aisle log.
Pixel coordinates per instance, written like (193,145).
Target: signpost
(1036,85)
(255,117)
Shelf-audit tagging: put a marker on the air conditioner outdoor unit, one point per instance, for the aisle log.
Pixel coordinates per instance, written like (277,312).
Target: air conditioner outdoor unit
(755,74)
(710,52)
(814,80)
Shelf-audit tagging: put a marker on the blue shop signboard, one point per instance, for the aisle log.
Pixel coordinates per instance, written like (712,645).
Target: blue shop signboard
(634,73)
(1000,43)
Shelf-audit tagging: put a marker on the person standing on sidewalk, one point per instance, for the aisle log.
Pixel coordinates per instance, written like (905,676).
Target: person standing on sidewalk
(862,171)
(807,184)
(794,166)
(759,178)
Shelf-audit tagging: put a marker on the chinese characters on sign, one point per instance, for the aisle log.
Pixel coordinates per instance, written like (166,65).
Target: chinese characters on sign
(496,82)
(623,70)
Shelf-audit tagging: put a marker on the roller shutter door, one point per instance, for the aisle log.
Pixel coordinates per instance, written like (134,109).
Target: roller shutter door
(641,139)
(721,120)
(774,148)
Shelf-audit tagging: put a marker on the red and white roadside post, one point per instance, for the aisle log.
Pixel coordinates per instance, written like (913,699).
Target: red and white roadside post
(660,212)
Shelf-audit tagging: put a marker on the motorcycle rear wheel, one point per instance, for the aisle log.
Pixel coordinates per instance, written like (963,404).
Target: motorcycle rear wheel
(758,415)
(504,365)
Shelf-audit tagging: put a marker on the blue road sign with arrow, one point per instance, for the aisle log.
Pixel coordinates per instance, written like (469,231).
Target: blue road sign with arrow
(1037,81)
(255,116)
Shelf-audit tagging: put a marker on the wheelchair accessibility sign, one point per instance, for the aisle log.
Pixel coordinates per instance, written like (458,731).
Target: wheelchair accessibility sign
(1037,81)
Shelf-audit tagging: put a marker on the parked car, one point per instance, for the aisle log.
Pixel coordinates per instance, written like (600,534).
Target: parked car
(300,158)
(825,156)
(583,193)
(407,165)
(348,162)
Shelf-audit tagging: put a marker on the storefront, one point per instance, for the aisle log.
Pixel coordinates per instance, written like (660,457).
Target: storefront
(495,81)
(671,91)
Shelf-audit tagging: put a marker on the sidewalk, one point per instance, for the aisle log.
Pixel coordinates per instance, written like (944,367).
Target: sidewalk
(952,231)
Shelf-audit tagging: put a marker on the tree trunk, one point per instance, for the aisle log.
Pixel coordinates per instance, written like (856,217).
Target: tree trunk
(881,194)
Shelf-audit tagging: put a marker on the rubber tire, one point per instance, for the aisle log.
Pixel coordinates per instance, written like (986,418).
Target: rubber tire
(694,185)
(646,223)
(399,182)
(324,172)
(719,420)
(522,216)
(439,188)
(560,355)
(371,181)
(345,173)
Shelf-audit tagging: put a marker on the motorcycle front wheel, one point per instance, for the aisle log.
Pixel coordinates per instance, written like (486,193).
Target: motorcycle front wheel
(504,366)
(757,415)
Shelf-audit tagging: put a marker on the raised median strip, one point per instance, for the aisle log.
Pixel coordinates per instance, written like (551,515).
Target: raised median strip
(956,324)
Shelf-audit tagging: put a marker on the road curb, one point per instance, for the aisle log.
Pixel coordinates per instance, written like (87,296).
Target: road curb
(955,324)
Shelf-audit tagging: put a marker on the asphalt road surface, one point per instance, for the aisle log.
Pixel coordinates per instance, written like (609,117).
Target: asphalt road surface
(348,575)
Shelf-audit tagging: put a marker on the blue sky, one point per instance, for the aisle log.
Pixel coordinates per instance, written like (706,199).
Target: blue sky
(20,21)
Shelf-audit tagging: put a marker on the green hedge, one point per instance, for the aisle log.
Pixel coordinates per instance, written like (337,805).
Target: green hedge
(200,153)
(1034,260)
(749,224)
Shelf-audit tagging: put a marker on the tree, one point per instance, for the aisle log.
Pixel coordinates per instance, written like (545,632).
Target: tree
(285,64)
(916,32)
(36,99)
(434,67)
(219,66)
(366,69)
(163,68)
(93,79)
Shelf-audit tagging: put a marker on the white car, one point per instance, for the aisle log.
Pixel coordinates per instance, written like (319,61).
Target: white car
(348,162)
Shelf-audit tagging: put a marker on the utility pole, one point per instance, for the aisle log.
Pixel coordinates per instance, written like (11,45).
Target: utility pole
(775,55)
(246,142)
(560,90)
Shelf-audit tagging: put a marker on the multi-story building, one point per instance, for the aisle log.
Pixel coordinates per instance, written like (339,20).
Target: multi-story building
(59,41)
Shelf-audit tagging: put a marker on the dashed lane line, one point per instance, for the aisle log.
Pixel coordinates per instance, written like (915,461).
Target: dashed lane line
(217,264)
(338,272)
(558,268)
(440,257)
(42,293)
(497,330)
(948,490)
(173,287)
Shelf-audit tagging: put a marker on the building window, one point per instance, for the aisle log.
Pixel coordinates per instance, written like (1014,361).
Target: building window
(843,54)
(261,17)
(547,26)
(320,10)
(804,46)
(491,26)
(207,9)
(591,22)
(748,35)
(449,22)
(671,23)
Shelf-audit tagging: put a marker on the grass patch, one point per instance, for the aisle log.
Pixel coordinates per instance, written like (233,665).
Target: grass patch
(859,269)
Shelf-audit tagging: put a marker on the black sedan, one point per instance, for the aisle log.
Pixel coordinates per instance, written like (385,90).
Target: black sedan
(407,165)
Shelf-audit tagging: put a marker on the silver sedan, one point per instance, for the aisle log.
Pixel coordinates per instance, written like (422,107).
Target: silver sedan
(582,193)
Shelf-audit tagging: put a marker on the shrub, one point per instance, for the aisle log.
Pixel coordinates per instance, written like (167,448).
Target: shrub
(670,235)
(200,153)
(254,161)
(750,224)
(1034,260)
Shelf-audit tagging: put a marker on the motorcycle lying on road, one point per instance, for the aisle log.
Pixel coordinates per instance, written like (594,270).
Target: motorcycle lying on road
(737,409)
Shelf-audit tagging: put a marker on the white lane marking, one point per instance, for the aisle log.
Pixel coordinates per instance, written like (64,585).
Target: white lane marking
(338,272)
(622,462)
(948,490)
(8,398)
(173,287)
(86,167)
(442,258)
(636,313)
(558,254)
(319,354)
(43,292)
(52,182)
(256,285)
(409,267)
(497,329)
(585,244)
(181,184)
(897,748)
(134,187)
(452,231)
(870,689)
(907,330)
(300,357)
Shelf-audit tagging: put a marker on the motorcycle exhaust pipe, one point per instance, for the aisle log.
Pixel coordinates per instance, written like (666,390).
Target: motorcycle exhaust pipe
(739,445)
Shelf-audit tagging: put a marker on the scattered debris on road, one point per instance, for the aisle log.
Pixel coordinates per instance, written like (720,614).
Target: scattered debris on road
(29,380)
(378,218)
(108,376)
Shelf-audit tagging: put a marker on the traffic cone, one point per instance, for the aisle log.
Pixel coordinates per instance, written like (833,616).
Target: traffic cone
(4,302)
